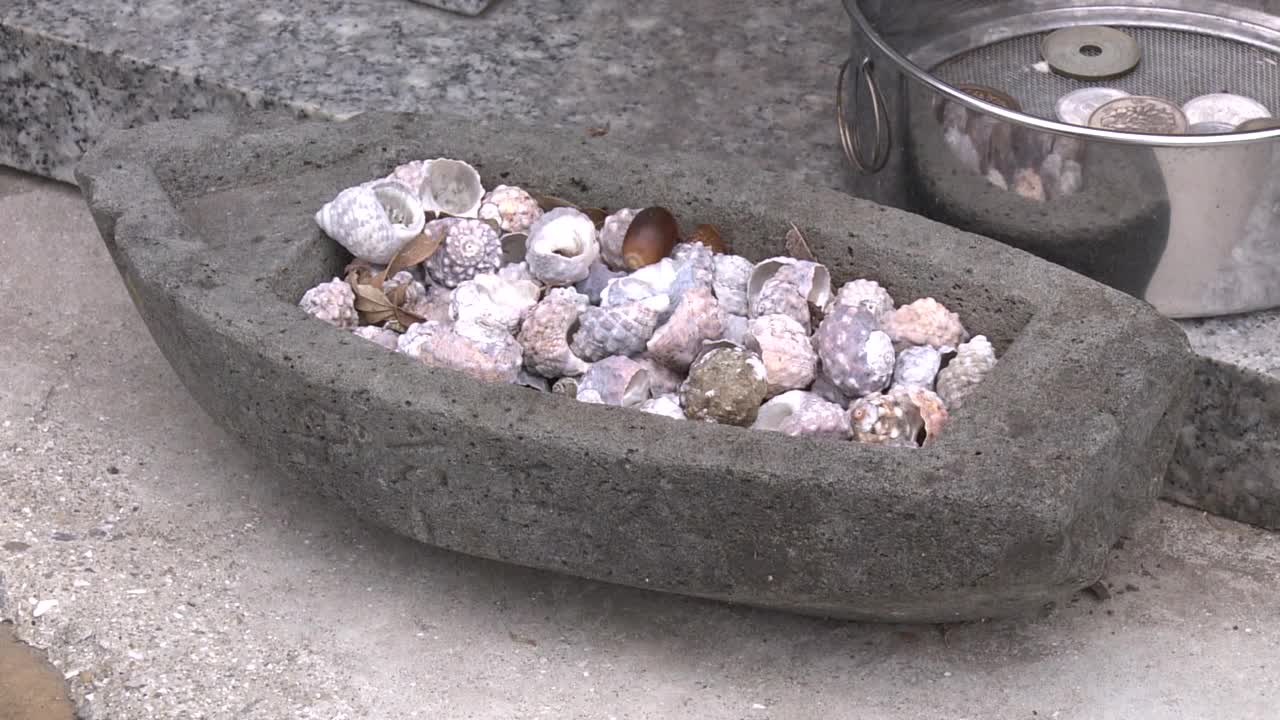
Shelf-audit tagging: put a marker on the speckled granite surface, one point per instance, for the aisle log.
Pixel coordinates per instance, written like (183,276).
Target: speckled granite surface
(466,7)
(749,79)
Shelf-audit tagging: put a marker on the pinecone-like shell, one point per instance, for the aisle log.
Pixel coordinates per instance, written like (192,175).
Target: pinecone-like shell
(388,339)
(781,297)
(562,246)
(926,322)
(677,342)
(599,276)
(481,352)
(933,413)
(856,356)
(917,366)
(545,335)
(489,299)
(612,235)
(471,247)
(617,380)
(618,330)
(961,376)
(868,293)
(332,302)
(797,413)
(885,419)
(726,385)
(662,379)
(664,405)
(730,283)
(786,351)
(511,207)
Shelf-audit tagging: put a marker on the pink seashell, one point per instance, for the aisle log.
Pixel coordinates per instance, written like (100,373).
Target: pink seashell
(966,370)
(885,419)
(786,351)
(511,207)
(545,335)
(332,302)
(926,322)
(677,342)
(616,380)
(480,352)
(798,413)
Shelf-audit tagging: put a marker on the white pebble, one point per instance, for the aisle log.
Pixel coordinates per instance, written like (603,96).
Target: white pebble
(43,607)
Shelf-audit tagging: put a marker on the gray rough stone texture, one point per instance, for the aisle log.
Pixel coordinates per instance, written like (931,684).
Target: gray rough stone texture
(209,224)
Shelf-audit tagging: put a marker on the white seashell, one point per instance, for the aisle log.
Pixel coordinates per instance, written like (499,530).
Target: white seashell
(612,235)
(516,273)
(617,380)
(917,366)
(973,361)
(731,275)
(388,339)
(545,334)
(562,246)
(797,413)
(865,292)
(566,386)
(812,279)
(332,302)
(452,187)
(475,350)
(373,221)
(491,300)
(598,278)
(666,405)
(783,346)
(511,207)
(650,280)
(618,330)
(434,306)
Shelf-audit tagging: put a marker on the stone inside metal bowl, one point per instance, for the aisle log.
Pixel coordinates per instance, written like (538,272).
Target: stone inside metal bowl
(210,223)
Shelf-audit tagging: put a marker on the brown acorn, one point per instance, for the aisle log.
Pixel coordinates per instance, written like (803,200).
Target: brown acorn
(710,236)
(651,236)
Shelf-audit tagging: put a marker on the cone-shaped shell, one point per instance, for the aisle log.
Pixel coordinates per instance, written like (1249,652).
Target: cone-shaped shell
(926,322)
(492,300)
(618,330)
(786,351)
(799,413)
(545,335)
(511,207)
(562,246)
(730,283)
(856,356)
(726,385)
(451,187)
(469,247)
(617,380)
(697,318)
(868,293)
(483,353)
(373,221)
(966,370)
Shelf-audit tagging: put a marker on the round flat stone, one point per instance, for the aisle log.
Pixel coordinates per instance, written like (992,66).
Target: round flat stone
(1140,114)
(1210,127)
(1257,124)
(991,95)
(1090,52)
(1224,108)
(1077,106)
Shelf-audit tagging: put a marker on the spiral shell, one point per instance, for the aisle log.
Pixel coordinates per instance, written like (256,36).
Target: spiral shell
(917,366)
(725,385)
(664,405)
(926,322)
(566,386)
(695,268)
(388,339)
(868,293)
(933,413)
(779,296)
(799,413)
(332,302)
(811,279)
(470,247)
(662,379)
(886,419)
(856,356)
(617,380)
(511,207)
(677,341)
(598,278)
(475,350)
(650,280)
(373,221)
(545,334)
(618,330)
(492,300)
(784,347)
(961,376)
(730,283)
(562,246)
(612,235)
(451,187)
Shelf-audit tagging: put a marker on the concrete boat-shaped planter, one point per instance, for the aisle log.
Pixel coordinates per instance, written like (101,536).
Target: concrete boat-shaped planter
(210,224)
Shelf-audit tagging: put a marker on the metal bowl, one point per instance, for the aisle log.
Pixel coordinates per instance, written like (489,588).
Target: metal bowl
(1190,223)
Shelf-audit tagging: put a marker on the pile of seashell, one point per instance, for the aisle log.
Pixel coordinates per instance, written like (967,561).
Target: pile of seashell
(619,309)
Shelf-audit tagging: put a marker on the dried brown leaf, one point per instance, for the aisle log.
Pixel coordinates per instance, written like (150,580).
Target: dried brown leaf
(796,245)
(597,215)
(551,202)
(414,252)
(599,131)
